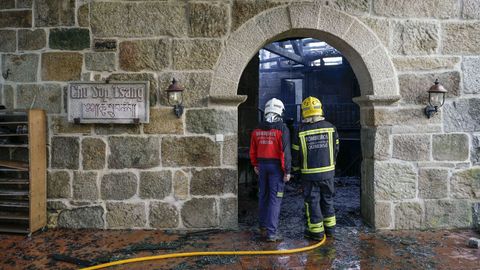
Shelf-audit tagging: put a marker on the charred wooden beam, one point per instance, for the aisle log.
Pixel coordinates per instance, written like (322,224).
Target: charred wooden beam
(273,59)
(297,47)
(282,52)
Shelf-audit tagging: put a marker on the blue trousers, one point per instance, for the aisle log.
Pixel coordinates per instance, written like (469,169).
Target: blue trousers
(271,188)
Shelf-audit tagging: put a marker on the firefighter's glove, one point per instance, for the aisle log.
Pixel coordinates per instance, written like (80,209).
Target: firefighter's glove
(286,178)
(256,170)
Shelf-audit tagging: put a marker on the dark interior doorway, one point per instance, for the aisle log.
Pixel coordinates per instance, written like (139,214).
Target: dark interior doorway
(292,70)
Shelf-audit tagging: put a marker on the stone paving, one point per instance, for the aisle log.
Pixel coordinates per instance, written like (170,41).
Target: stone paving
(355,247)
(396,48)
(352,249)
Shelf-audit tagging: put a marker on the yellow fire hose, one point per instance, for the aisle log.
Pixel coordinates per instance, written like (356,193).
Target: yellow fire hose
(208,253)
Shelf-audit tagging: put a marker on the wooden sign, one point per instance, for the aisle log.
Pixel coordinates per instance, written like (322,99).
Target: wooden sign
(117,102)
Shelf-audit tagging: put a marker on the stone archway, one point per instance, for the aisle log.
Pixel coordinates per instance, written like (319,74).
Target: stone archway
(362,48)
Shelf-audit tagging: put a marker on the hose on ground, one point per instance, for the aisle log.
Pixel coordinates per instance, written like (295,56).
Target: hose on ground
(209,253)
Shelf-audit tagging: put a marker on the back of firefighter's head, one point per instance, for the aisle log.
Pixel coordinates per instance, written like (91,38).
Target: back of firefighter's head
(312,108)
(274,110)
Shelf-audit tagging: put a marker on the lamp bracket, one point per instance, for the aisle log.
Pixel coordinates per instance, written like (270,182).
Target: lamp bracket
(178,110)
(6,74)
(431,110)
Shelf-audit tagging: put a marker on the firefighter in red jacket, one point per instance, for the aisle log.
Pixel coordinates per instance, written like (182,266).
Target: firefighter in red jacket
(271,158)
(315,148)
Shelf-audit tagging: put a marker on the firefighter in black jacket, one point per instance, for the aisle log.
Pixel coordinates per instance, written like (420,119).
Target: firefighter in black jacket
(315,148)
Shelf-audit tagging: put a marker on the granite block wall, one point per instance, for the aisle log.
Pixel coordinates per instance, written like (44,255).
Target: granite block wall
(172,173)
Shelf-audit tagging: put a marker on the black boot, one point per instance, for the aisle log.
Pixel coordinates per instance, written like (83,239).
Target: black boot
(261,231)
(313,236)
(274,238)
(330,231)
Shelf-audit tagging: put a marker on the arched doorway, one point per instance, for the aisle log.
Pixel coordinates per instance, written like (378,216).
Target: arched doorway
(291,70)
(360,46)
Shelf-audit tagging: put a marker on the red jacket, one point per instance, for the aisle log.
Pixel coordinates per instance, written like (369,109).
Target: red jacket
(270,143)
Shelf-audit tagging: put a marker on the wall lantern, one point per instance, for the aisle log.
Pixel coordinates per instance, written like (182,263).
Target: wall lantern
(175,97)
(436,98)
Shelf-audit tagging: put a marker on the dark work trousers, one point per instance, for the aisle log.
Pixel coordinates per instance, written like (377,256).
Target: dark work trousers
(318,197)
(270,195)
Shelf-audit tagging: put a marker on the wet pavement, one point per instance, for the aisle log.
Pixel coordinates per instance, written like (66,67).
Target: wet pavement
(355,247)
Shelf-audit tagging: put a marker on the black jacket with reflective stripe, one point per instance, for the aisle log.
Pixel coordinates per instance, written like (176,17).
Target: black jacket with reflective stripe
(314,150)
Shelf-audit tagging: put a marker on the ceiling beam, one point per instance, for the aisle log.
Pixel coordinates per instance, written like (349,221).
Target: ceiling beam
(284,53)
(297,47)
(310,57)
(273,59)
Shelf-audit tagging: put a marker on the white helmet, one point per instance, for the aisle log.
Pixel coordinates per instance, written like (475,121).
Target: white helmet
(274,106)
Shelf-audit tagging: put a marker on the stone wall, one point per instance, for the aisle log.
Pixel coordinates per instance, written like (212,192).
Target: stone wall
(248,110)
(172,173)
(426,171)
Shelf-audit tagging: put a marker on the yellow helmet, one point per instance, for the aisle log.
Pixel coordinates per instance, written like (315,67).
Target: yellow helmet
(311,106)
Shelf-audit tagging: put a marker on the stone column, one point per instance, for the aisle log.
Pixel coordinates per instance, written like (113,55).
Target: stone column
(376,179)
(213,185)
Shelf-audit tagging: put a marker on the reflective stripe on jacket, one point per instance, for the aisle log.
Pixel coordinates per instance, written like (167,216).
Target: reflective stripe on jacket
(315,148)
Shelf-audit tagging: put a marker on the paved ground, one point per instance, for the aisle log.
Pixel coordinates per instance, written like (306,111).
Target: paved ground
(356,246)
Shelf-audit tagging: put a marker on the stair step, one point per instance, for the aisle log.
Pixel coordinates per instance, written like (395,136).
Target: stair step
(14,164)
(13,193)
(13,228)
(10,145)
(14,217)
(13,181)
(18,204)
(15,123)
